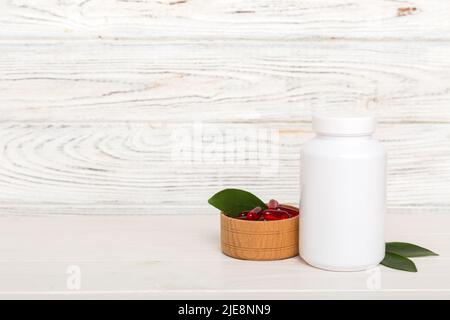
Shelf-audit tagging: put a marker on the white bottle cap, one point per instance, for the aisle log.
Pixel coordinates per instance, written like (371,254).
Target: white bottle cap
(344,125)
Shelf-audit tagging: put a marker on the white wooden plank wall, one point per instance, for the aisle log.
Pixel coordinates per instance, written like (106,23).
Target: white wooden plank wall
(149,107)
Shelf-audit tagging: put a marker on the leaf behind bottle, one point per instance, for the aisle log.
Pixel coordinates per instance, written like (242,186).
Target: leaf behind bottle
(408,249)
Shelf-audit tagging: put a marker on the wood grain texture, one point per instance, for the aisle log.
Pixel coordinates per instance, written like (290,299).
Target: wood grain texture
(165,168)
(259,240)
(101,102)
(137,257)
(223,82)
(236,19)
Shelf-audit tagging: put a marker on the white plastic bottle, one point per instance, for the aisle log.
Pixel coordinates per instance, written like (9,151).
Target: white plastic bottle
(343,183)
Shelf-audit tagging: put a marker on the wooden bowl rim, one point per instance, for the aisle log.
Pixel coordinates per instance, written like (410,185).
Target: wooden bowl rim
(272,221)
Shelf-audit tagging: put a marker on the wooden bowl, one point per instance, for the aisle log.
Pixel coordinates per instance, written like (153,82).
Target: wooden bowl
(259,240)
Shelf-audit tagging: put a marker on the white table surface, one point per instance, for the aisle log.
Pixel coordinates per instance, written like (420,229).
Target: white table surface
(178,257)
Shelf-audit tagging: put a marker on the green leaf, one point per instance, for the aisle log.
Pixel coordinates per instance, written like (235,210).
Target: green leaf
(234,201)
(408,249)
(396,261)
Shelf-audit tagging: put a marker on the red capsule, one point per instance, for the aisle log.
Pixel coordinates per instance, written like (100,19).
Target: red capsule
(256,210)
(254,214)
(257,216)
(243,215)
(291,210)
(273,204)
(271,214)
